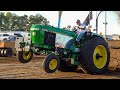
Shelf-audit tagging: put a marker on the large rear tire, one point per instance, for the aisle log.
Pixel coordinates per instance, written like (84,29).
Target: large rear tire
(95,56)
(2,52)
(25,56)
(63,64)
(8,52)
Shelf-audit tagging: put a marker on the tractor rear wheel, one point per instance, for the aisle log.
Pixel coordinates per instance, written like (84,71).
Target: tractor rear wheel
(63,64)
(95,56)
(51,63)
(25,56)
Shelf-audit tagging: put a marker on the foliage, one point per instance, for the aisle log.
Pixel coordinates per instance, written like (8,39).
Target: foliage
(12,22)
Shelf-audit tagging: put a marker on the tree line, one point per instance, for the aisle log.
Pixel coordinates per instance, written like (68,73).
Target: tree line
(12,22)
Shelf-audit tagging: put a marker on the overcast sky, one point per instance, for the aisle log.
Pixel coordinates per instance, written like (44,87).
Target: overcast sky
(70,17)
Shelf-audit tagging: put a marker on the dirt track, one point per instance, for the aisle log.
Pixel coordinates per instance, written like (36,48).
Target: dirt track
(10,68)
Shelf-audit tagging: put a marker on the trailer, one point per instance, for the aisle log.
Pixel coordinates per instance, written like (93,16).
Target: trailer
(7,49)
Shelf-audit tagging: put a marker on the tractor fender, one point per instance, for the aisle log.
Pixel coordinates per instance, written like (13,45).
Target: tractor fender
(79,37)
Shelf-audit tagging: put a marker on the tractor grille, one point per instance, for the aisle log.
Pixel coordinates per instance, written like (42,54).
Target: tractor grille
(49,39)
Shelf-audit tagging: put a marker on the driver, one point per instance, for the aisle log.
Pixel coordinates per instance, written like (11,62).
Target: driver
(81,28)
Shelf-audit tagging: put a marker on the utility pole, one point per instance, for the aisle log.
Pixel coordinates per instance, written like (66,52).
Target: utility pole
(96,14)
(105,25)
(89,19)
(89,27)
(97,21)
(59,18)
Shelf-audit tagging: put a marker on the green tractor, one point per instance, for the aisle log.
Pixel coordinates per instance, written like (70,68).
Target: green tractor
(91,52)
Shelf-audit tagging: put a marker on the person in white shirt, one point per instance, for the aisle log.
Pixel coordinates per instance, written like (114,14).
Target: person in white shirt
(81,29)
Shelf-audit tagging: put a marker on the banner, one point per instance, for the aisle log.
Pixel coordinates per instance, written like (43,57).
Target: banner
(88,18)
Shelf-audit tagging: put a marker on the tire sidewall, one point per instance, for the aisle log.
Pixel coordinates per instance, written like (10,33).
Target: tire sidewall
(89,50)
(21,59)
(47,61)
(69,43)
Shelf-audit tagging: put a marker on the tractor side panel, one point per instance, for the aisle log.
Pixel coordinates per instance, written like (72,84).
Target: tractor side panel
(37,37)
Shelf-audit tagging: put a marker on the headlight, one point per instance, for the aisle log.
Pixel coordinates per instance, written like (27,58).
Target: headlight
(34,33)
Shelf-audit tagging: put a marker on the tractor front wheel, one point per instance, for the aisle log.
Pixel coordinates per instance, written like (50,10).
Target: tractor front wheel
(51,63)
(25,56)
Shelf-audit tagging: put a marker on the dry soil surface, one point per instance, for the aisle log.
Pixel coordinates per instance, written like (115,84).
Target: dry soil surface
(11,68)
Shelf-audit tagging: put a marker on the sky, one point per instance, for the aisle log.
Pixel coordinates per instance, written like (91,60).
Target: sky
(70,17)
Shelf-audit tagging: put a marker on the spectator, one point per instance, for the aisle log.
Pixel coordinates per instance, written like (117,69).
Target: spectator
(69,27)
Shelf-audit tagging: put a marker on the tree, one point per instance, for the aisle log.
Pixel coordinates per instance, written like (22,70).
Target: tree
(11,21)
(2,16)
